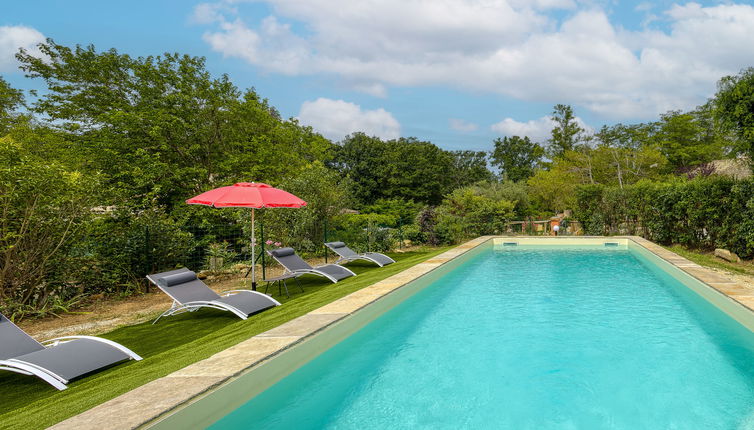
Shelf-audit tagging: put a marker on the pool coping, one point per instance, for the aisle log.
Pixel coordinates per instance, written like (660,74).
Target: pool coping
(148,403)
(155,399)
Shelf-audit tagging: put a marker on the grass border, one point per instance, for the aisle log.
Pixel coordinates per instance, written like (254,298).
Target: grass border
(217,331)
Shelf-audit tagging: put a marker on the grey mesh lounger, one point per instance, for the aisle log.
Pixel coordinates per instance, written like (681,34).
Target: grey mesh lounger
(57,361)
(189,294)
(347,254)
(296,265)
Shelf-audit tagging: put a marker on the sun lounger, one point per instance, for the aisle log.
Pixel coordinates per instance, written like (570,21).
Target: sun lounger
(57,361)
(296,265)
(347,254)
(189,294)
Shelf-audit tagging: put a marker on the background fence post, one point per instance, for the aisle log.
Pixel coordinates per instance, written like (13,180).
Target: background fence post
(400,234)
(261,254)
(147,254)
(324,234)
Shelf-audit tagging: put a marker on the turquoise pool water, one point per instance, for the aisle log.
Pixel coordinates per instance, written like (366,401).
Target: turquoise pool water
(537,338)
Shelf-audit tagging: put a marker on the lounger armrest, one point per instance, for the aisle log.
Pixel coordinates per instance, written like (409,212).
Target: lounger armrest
(30,369)
(342,267)
(231,292)
(116,345)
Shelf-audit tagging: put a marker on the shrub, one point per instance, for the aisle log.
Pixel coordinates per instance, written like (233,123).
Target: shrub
(702,213)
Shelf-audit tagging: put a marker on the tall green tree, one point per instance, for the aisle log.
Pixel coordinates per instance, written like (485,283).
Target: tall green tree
(686,141)
(10,100)
(162,128)
(516,157)
(734,107)
(404,168)
(469,167)
(566,133)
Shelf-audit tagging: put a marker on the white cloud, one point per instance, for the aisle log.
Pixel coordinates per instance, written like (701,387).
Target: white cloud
(644,6)
(14,37)
(510,47)
(537,130)
(462,125)
(335,119)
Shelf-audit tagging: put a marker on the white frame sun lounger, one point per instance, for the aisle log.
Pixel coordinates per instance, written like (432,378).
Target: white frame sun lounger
(60,360)
(347,254)
(190,294)
(296,265)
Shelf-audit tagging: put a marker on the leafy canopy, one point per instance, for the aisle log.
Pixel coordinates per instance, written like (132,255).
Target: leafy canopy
(516,157)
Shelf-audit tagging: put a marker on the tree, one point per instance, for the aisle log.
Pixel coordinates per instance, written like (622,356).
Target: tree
(734,107)
(469,167)
(44,206)
(162,128)
(566,133)
(404,168)
(466,212)
(624,154)
(364,160)
(516,157)
(685,141)
(10,100)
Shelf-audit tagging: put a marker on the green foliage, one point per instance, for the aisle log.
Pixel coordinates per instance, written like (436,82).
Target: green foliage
(515,192)
(44,207)
(686,139)
(734,108)
(553,190)
(366,232)
(10,100)
(619,158)
(118,249)
(220,255)
(703,213)
(404,168)
(566,133)
(466,212)
(469,167)
(326,194)
(402,212)
(161,128)
(516,157)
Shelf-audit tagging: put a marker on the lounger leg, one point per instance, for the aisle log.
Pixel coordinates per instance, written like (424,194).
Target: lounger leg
(167,312)
(299,284)
(286,289)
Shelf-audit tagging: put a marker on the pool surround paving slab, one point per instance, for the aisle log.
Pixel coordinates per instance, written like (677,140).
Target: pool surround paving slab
(148,403)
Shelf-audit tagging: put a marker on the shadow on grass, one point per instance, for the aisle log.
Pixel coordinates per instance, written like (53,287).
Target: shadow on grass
(174,343)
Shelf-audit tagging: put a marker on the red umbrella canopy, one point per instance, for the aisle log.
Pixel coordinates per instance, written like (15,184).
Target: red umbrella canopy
(247,195)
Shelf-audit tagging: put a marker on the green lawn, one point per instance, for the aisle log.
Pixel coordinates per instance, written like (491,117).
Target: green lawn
(173,343)
(705,258)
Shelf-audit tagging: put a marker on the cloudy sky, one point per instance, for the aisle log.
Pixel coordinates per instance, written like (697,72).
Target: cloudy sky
(456,72)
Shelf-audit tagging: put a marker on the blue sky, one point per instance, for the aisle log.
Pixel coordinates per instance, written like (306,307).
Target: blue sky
(456,72)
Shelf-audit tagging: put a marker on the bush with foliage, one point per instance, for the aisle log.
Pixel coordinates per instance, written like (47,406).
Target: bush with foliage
(45,209)
(701,213)
(467,212)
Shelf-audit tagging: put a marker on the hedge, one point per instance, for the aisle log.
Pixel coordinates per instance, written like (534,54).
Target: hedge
(705,213)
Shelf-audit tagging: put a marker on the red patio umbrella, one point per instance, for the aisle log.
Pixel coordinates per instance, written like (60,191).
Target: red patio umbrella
(248,195)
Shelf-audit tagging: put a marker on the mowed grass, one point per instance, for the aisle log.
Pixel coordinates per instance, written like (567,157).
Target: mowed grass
(175,342)
(706,258)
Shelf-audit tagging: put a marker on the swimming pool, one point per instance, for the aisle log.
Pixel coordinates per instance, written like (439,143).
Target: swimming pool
(528,337)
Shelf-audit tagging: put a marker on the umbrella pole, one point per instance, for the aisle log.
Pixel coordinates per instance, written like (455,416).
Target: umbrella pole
(253,263)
